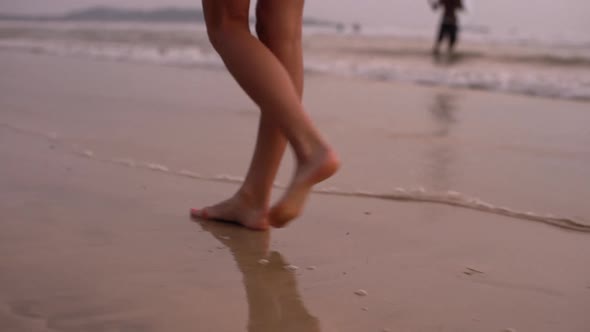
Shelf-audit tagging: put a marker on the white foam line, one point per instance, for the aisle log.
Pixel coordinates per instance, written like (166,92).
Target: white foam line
(48,136)
(227,178)
(125,162)
(452,198)
(88,153)
(457,199)
(541,83)
(157,167)
(420,194)
(189,174)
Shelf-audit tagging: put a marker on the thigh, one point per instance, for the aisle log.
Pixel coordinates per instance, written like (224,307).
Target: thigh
(453,31)
(447,31)
(279,19)
(441,32)
(218,11)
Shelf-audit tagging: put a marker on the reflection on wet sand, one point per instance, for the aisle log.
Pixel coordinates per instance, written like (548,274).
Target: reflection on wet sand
(443,109)
(442,153)
(274,303)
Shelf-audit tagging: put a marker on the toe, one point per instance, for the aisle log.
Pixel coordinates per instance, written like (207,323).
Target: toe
(199,213)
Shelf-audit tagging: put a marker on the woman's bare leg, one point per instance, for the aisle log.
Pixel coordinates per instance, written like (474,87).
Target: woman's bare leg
(272,85)
(279,29)
(278,25)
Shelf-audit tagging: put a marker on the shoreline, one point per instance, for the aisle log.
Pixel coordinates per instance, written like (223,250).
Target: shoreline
(545,71)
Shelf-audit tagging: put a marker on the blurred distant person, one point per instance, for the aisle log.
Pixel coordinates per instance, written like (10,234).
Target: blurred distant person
(356,28)
(449,25)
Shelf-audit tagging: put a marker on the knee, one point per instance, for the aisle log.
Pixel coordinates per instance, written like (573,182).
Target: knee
(216,36)
(224,25)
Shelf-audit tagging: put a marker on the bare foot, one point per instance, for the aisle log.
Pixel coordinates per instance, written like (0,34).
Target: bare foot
(235,210)
(317,169)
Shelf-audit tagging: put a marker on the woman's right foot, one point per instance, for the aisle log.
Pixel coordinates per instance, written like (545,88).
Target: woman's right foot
(237,210)
(316,169)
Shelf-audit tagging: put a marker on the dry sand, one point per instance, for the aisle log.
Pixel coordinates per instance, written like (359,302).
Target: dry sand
(89,244)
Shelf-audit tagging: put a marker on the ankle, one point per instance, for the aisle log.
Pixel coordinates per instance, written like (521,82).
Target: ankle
(317,152)
(252,199)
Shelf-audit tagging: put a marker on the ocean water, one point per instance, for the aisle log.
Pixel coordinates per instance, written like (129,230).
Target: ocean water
(553,67)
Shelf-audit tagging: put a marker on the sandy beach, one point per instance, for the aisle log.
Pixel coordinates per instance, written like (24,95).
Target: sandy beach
(101,162)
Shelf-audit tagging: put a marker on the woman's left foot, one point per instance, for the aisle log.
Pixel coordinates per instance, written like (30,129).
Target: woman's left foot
(235,210)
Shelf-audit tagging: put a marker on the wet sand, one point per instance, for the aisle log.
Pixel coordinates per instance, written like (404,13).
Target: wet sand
(95,192)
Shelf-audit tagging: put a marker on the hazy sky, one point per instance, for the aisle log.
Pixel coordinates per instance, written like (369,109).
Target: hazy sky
(534,15)
(379,11)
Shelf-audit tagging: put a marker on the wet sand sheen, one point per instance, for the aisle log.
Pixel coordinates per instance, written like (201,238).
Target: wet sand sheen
(95,246)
